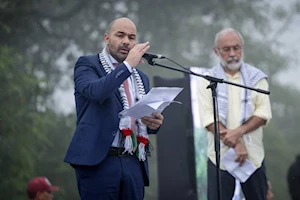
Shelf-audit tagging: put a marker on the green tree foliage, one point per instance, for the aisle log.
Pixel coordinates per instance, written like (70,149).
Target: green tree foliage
(19,118)
(36,36)
(32,137)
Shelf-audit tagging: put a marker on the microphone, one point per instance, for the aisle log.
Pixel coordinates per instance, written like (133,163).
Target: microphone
(149,56)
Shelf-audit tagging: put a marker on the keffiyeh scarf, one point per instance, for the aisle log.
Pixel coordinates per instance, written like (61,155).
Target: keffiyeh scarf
(249,77)
(130,145)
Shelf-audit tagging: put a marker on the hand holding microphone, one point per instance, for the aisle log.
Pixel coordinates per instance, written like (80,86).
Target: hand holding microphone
(138,50)
(136,53)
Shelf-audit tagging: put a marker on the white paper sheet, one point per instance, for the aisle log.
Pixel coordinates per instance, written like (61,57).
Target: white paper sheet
(156,100)
(242,173)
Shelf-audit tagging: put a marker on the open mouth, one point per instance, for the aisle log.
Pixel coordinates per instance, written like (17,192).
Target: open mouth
(124,50)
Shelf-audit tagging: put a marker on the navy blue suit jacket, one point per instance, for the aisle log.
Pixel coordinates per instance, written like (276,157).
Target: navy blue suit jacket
(98,103)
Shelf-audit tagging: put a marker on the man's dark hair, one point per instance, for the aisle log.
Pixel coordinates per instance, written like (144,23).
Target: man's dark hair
(293,178)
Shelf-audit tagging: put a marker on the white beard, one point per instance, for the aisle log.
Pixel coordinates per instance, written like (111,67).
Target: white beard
(234,66)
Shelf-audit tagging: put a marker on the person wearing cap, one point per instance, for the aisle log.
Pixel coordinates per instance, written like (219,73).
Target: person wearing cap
(40,188)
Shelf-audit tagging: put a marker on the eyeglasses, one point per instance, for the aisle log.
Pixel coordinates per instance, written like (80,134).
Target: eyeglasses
(226,50)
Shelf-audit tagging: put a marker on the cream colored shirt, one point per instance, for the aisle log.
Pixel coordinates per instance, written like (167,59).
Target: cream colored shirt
(261,108)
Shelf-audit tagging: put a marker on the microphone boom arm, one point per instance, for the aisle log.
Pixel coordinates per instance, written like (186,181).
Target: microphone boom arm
(209,78)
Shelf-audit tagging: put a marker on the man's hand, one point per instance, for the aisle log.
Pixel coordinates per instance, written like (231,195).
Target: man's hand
(136,53)
(223,133)
(231,137)
(153,123)
(241,152)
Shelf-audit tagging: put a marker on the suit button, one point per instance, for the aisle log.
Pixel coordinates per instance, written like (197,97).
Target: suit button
(114,133)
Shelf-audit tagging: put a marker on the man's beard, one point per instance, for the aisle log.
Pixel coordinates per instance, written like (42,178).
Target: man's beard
(233,66)
(114,52)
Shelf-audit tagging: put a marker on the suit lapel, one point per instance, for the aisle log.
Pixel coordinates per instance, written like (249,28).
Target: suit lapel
(103,73)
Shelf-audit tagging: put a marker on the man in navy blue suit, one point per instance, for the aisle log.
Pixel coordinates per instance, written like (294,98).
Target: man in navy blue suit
(109,152)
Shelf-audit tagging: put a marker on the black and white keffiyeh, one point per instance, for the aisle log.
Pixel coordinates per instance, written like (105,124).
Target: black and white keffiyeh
(125,121)
(249,77)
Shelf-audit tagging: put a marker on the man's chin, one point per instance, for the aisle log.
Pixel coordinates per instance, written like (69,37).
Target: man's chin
(121,57)
(234,66)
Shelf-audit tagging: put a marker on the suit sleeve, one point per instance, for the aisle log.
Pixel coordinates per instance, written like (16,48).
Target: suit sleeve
(91,85)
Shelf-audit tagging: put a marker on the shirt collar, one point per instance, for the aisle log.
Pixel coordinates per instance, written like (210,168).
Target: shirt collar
(112,59)
(235,76)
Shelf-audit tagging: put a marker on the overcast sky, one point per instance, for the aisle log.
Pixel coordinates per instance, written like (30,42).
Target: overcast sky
(292,40)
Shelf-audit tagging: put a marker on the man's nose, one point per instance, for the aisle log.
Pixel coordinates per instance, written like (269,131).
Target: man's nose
(126,40)
(231,52)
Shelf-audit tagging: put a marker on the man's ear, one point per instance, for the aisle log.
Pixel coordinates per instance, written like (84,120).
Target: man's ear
(106,38)
(216,51)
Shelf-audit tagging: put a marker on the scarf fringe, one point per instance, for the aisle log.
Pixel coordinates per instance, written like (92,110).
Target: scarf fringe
(142,153)
(128,144)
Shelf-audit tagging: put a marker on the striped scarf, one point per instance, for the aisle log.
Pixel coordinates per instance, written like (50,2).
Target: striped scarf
(249,77)
(125,122)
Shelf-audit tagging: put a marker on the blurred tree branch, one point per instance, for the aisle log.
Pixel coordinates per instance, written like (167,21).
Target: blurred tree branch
(40,13)
(48,33)
(287,20)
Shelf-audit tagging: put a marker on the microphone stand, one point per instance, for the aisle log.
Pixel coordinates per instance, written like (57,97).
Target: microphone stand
(213,86)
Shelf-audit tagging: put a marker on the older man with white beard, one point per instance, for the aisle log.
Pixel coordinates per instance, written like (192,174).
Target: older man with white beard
(242,114)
